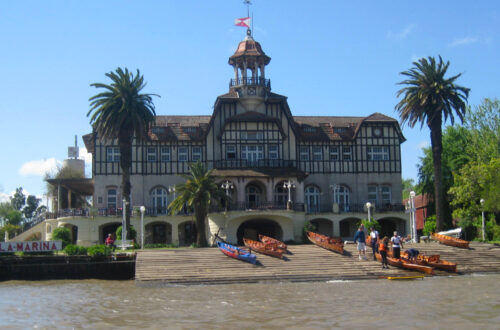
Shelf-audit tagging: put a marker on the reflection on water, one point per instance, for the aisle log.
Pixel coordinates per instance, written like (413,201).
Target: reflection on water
(441,302)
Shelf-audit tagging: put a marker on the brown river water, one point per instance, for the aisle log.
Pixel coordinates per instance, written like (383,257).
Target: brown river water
(458,302)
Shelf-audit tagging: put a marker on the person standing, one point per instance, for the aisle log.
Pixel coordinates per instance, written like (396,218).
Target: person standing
(397,244)
(361,240)
(110,242)
(374,241)
(383,247)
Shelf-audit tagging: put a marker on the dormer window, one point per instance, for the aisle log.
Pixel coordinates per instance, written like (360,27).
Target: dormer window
(251,135)
(310,129)
(158,130)
(189,129)
(339,129)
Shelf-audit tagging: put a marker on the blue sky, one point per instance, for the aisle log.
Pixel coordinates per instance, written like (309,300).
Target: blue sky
(329,57)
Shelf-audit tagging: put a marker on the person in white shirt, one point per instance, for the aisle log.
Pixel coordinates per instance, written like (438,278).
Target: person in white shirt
(374,241)
(397,244)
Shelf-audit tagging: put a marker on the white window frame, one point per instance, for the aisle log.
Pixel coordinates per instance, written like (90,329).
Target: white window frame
(342,195)
(377,153)
(196,154)
(312,194)
(182,154)
(165,154)
(347,153)
(334,153)
(112,154)
(112,194)
(317,153)
(159,197)
(151,154)
(372,194)
(248,149)
(386,194)
(273,151)
(251,135)
(304,153)
(230,149)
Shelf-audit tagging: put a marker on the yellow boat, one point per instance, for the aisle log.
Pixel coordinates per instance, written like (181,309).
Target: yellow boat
(405,277)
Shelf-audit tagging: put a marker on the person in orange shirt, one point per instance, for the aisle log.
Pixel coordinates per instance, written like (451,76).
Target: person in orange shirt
(382,249)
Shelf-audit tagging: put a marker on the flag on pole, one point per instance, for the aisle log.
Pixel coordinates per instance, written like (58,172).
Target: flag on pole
(242,22)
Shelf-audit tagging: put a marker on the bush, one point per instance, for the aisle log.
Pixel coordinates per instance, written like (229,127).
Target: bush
(371,223)
(430,226)
(62,234)
(308,226)
(131,233)
(75,250)
(159,246)
(469,227)
(99,251)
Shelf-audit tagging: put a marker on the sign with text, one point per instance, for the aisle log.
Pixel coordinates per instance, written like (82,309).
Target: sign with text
(30,246)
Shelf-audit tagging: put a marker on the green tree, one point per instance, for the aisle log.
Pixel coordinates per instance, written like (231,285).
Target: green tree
(409,185)
(121,112)
(62,234)
(428,97)
(10,215)
(18,200)
(199,191)
(31,206)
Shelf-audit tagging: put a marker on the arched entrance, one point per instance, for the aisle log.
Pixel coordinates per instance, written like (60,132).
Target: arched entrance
(158,233)
(348,227)
(252,228)
(74,232)
(389,225)
(323,226)
(109,228)
(187,233)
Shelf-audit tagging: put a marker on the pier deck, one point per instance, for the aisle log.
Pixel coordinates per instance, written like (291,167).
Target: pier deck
(305,263)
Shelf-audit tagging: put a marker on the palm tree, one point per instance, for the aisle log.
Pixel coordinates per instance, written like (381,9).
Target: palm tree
(121,112)
(199,190)
(427,97)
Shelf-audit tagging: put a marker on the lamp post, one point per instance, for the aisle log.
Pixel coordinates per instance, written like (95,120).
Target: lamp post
(335,206)
(483,227)
(171,190)
(124,225)
(289,185)
(226,186)
(368,206)
(413,216)
(143,209)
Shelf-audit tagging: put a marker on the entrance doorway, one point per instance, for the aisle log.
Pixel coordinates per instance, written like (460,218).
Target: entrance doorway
(252,228)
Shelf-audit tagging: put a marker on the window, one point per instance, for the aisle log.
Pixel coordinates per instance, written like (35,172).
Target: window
(158,130)
(112,198)
(159,199)
(346,153)
(113,154)
(252,152)
(230,152)
(253,194)
(372,194)
(342,198)
(385,192)
(189,129)
(317,153)
(196,154)
(273,151)
(151,154)
(378,153)
(99,200)
(280,195)
(304,153)
(334,153)
(182,154)
(312,199)
(339,129)
(310,129)
(165,154)
(251,135)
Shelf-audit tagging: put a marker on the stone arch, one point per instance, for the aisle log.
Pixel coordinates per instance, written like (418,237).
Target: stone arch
(187,233)
(108,228)
(348,227)
(253,227)
(255,194)
(323,226)
(390,224)
(158,232)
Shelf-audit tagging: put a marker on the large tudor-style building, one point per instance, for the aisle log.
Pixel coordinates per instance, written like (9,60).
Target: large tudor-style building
(280,170)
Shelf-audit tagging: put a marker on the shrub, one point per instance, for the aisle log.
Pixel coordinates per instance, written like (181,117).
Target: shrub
(308,226)
(430,226)
(194,245)
(469,227)
(75,250)
(99,251)
(159,246)
(370,223)
(131,233)
(62,234)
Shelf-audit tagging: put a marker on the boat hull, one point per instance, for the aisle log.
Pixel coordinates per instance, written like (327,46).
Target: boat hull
(269,249)
(237,252)
(406,265)
(267,239)
(326,242)
(451,241)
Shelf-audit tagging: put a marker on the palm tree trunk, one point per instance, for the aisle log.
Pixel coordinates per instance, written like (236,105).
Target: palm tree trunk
(437,149)
(125,143)
(201,214)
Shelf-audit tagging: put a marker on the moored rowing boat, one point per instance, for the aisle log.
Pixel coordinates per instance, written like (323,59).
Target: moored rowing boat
(401,263)
(267,239)
(270,249)
(451,241)
(237,252)
(326,242)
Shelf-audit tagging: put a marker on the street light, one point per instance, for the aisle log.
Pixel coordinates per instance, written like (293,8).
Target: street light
(368,206)
(483,228)
(289,185)
(171,190)
(124,226)
(226,186)
(143,209)
(413,216)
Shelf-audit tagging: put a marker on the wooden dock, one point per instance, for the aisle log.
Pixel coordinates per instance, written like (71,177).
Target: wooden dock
(305,263)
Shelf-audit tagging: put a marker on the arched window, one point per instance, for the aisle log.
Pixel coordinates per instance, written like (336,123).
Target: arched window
(280,195)
(253,196)
(312,198)
(159,200)
(342,198)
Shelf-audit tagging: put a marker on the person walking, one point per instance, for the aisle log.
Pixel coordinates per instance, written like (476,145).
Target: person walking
(361,240)
(397,244)
(374,241)
(383,247)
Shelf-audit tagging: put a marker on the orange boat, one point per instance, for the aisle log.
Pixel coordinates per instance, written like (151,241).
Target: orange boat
(267,239)
(435,261)
(326,242)
(451,241)
(402,263)
(270,249)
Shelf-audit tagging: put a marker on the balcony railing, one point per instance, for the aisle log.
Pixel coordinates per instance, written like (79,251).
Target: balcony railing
(250,81)
(261,163)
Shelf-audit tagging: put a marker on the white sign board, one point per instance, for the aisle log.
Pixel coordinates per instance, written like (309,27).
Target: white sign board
(30,246)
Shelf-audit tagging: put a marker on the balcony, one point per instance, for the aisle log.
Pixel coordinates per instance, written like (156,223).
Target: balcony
(261,163)
(355,208)
(250,81)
